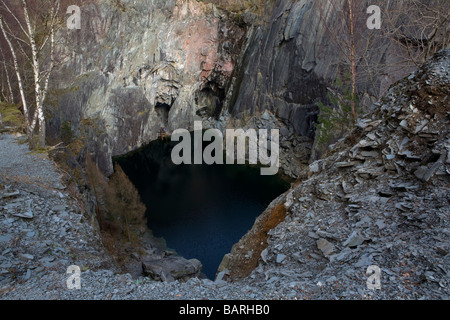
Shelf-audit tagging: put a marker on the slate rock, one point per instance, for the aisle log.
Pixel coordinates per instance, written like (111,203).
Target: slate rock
(170,267)
(280,258)
(354,240)
(264,254)
(26,256)
(24,215)
(325,246)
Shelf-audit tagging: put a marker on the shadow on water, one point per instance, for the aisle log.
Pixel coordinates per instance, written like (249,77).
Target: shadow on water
(200,210)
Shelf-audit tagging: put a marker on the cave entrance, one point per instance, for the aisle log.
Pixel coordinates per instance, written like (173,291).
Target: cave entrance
(201,211)
(162,110)
(210,101)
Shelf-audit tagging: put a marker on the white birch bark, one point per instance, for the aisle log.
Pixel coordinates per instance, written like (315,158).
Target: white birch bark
(41,77)
(17,71)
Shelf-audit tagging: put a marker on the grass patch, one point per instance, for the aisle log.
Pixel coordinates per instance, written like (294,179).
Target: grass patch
(255,240)
(39,150)
(12,116)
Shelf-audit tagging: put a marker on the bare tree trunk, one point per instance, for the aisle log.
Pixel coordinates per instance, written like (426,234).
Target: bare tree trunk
(352,51)
(9,97)
(17,70)
(344,37)
(41,75)
(39,120)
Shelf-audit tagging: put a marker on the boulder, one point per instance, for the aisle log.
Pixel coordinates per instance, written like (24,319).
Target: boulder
(172,268)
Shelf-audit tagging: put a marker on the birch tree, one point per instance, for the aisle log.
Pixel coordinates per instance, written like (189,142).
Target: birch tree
(343,32)
(7,93)
(29,33)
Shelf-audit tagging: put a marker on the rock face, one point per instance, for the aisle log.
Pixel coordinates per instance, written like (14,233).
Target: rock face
(291,59)
(141,66)
(380,198)
(135,67)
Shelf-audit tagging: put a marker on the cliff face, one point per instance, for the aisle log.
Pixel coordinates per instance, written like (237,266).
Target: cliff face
(291,59)
(135,67)
(380,198)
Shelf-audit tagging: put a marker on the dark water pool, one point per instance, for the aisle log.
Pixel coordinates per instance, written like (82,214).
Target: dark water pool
(200,210)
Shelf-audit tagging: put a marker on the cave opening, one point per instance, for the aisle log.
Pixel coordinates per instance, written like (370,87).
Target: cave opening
(210,100)
(162,109)
(200,211)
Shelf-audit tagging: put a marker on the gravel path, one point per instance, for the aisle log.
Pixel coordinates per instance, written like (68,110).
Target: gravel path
(19,164)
